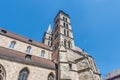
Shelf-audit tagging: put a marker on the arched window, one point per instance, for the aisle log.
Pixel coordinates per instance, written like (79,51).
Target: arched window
(23,75)
(65,32)
(49,43)
(69,44)
(51,76)
(2,73)
(70,66)
(65,42)
(64,18)
(66,26)
(49,38)
(12,44)
(68,33)
(42,53)
(28,49)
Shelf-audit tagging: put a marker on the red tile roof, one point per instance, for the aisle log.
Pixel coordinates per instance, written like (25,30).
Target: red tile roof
(17,56)
(24,39)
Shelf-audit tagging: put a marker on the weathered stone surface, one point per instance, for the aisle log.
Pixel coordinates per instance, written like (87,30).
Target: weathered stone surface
(13,68)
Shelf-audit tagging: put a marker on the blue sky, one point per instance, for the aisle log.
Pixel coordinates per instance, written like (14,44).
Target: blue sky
(95,23)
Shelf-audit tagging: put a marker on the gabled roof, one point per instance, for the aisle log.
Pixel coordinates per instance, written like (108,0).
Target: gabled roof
(24,39)
(16,56)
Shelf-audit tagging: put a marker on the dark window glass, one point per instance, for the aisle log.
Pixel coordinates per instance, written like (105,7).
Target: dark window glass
(12,44)
(65,32)
(51,76)
(3,31)
(70,66)
(68,33)
(64,18)
(65,42)
(23,75)
(69,44)
(28,49)
(42,53)
(49,43)
(64,24)
(30,40)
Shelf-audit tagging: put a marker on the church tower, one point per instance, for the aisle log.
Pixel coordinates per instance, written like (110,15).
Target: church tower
(62,43)
(62,32)
(47,39)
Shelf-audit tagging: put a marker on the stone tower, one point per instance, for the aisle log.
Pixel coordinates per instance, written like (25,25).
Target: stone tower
(62,33)
(63,43)
(72,63)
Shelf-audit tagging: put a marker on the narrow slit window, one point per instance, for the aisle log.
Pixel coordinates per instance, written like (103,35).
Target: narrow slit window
(70,66)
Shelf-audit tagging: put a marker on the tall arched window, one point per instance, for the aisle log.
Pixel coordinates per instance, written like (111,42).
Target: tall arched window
(2,73)
(23,74)
(49,43)
(42,53)
(69,44)
(65,42)
(66,26)
(28,49)
(64,32)
(51,76)
(68,33)
(12,44)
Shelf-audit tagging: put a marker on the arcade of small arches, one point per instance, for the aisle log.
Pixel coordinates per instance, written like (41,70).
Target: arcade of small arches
(23,74)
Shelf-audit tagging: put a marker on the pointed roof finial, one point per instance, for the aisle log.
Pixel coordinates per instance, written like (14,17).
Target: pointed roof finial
(49,30)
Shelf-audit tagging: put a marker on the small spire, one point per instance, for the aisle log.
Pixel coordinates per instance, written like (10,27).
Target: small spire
(49,30)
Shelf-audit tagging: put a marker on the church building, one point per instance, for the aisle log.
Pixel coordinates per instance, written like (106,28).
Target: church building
(56,58)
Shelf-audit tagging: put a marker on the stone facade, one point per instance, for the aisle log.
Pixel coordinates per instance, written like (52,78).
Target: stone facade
(56,58)
(13,69)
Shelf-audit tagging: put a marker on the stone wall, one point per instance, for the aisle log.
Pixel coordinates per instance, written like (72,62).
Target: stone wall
(35,73)
(21,46)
